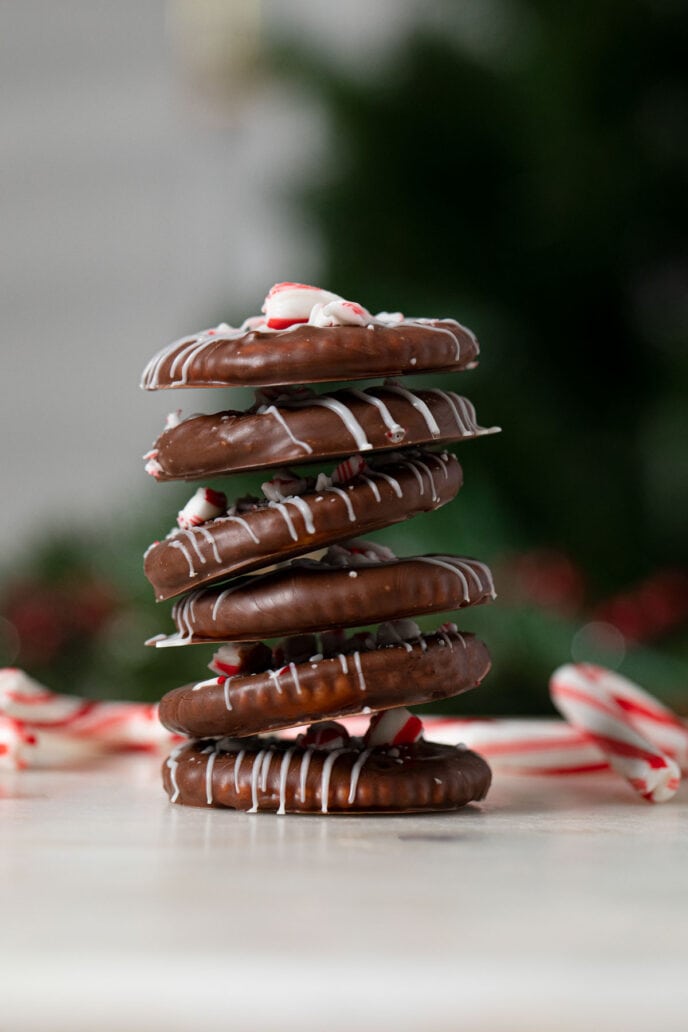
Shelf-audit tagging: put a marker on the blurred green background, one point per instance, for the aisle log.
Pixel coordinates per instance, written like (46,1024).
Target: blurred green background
(539,196)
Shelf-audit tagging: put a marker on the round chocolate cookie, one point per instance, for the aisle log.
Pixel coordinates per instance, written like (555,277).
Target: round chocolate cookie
(278,530)
(434,666)
(311,429)
(226,357)
(314,596)
(278,776)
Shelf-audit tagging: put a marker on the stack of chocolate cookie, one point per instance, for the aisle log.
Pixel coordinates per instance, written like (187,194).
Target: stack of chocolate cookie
(290,566)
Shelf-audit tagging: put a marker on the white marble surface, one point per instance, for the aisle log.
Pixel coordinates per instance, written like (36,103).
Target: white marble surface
(554,905)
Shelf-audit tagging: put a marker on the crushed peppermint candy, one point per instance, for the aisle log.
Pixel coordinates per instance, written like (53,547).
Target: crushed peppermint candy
(327,734)
(394,727)
(204,505)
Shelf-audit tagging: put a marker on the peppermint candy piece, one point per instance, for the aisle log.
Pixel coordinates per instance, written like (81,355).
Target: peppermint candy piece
(348,469)
(241,658)
(339,313)
(328,734)
(284,484)
(173,419)
(204,505)
(289,303)
(358,552)
(152,467)
(394,727)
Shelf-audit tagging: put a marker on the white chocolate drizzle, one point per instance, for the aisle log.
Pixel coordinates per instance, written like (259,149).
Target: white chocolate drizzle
(356,773)
(347,502)
(210,763)
(284,773)
(246,525)
(419,405)
(359,671)
(271,410)
(255,774)
(433,486)
(306,512)
(237,767)
(374,488)
(213,544)
(303,773)
(281,508)
(396,432)
(394,484)
(267,760)
(185,552)
(172,765)
(274,676)
(347,417)
(295,677)
(325,780)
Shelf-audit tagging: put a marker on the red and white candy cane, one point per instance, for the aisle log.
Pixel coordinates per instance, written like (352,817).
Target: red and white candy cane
(394,727)
(36,712)
(596,703)
(283,484)
(204,505)
(15,741)
(328,734)
(348,469)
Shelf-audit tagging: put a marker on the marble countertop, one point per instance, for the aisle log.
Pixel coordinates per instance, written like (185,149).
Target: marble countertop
(556,904)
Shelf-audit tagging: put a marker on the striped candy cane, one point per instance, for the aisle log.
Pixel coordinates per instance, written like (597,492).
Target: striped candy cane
(585,696)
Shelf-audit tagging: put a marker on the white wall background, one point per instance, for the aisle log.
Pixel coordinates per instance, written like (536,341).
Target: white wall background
(130,214)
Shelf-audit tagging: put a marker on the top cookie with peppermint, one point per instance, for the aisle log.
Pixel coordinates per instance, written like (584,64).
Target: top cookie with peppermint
(309,335)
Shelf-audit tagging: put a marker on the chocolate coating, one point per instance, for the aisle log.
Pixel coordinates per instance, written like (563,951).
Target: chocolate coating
(422,777)
(231,442)
(438,666)
(226,546)
(311,354)
(306,596)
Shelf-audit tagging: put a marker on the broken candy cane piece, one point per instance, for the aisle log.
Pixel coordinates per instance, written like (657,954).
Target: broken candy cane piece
(284,484)
(394,727)
(289,303)
(327,734)
(339,313)
(152,467)
(348,469)
(241,658)
(204,505)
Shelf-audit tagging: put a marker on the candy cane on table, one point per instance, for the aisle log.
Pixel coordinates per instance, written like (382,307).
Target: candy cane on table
(98,726)
(585,695)
(15,742)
